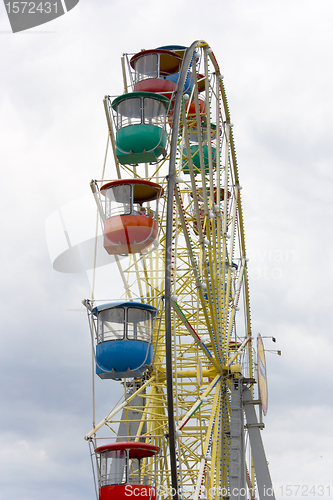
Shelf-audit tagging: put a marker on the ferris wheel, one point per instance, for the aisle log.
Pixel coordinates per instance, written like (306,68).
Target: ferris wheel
(177,335)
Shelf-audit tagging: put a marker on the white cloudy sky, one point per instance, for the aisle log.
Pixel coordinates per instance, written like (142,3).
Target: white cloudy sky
(277,61)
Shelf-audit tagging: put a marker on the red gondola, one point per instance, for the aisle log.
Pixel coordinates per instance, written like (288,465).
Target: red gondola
(129,226)
(125,469)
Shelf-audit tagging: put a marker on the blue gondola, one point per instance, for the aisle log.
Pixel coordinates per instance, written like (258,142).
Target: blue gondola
(180,50)
(124,339)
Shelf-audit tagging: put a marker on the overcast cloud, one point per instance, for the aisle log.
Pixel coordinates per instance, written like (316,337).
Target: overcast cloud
(276,59)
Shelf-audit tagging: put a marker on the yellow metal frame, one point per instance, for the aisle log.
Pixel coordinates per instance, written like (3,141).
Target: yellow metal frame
(211,339)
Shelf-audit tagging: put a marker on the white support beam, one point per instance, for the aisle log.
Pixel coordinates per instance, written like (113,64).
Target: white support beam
(263,477)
